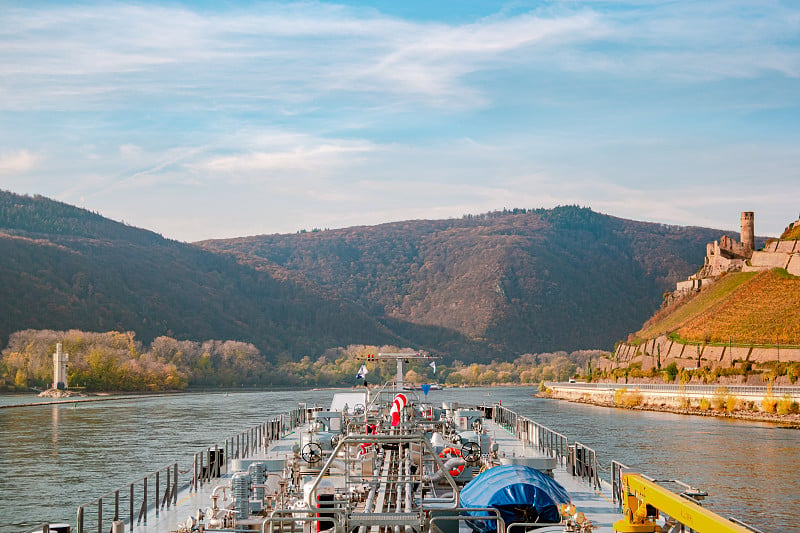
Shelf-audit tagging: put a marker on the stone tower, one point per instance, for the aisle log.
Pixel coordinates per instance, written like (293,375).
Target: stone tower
(60,360)
(748,230)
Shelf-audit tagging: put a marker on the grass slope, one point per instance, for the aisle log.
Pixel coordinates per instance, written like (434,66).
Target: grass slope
(669,320)
(762,310)
(744,307)
(791,233)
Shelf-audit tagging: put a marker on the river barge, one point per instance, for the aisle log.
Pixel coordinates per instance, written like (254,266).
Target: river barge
(384,460)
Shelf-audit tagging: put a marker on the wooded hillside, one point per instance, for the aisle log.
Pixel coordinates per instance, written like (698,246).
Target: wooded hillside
(508,282)
(476,288)
(94,274)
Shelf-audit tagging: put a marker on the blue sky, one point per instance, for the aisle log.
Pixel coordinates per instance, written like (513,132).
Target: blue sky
(221,119)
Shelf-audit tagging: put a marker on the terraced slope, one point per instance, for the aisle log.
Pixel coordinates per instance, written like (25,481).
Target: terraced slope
(763,310)
(750,308)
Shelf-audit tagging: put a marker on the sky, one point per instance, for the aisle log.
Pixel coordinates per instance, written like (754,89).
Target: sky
(216,119)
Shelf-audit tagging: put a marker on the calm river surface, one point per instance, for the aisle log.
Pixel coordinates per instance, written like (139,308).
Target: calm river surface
(56,457)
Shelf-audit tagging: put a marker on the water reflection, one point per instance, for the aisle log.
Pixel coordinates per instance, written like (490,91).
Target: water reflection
(54,431)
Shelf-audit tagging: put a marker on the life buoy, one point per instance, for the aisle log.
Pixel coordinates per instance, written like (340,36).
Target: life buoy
(452,452)
(363,448)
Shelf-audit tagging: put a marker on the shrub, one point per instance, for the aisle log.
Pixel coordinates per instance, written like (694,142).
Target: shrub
(625,398)
(732,404)
(787,406)
(769,404)
(671,371)
(720,399)
(619,396)
(704,404)
(633,398)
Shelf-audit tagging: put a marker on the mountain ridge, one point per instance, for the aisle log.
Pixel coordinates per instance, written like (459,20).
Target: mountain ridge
(503,266)
(99,277)
(475,288)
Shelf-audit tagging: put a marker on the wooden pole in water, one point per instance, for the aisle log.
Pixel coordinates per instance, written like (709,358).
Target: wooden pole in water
(157,484)
(131,509)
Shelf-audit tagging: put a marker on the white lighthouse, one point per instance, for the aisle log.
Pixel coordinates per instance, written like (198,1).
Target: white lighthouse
(60,360)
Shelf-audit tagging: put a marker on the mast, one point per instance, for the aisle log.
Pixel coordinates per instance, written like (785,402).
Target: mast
(402,358)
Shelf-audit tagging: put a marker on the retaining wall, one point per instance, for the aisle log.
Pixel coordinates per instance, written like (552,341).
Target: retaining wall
(665,350)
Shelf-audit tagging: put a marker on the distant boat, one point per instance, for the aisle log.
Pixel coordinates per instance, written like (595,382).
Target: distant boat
(432,386)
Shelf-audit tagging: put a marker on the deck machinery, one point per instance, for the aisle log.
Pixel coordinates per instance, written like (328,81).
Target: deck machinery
(381,460)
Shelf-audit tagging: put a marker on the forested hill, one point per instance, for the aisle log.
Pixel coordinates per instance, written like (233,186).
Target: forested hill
(476,288)
(66,268)
(500,283)
(37,215)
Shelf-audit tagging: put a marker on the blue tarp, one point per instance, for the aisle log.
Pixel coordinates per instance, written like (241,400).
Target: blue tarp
(520,493)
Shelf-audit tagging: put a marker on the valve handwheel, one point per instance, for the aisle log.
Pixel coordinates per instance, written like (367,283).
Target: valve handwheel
(471,452)
(311,452)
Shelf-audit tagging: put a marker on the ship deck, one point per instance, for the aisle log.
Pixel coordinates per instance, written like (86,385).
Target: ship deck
(596,504)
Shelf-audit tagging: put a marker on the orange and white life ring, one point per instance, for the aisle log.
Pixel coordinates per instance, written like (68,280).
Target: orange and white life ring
(447,453)
(363,448)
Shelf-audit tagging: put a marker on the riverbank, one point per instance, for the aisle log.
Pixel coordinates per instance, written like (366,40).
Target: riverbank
(789,421)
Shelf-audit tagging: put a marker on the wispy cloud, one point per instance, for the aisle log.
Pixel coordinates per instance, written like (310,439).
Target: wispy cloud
(316,156)
(100,55)
(19,162)
(276,116)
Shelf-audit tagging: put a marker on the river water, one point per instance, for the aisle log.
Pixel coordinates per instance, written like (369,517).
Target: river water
(56,457)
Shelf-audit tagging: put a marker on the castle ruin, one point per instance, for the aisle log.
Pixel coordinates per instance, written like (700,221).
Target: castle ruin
(727,255)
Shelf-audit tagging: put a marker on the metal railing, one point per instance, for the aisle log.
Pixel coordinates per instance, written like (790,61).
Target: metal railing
(580,460)
(150,493)
(158,490)
(583,464)
(616,481)
(737,390)
(532,433)
(506,418)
